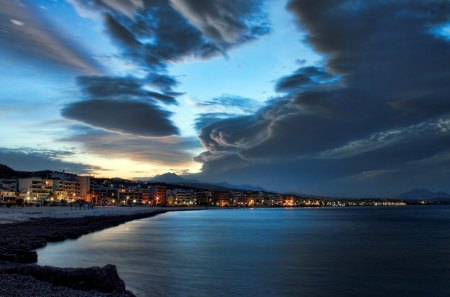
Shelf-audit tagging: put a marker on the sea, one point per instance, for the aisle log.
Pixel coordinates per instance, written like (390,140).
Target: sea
(348,251)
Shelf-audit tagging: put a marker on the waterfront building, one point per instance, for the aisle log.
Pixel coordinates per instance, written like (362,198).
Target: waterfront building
(86,187)
(238,199)
(220,197)
(184,197)
(7,196)
(171,198)
(251,199)
(260,199)
(8,184)
(130,196)
(203,198)
(145,195)
(35,189)
(158,194)
(71,188)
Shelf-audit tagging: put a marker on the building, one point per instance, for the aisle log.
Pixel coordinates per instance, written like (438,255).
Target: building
(70,187)
(158,194)
(130,196)
(220,198)
(203,198)
(8,184)
(146,195)
(7,196)
(184,197)
(239,199)
(86,187)
(35,189)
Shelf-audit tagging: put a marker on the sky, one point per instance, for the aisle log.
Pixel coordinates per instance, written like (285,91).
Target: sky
(328,97)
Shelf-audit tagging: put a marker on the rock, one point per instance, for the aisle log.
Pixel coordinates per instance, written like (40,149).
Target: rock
(105,280)
(57,236)
(18,242)
(13,285)
(99,279)
(24,256)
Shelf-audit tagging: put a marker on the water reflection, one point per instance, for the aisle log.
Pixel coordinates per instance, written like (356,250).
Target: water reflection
(274,252)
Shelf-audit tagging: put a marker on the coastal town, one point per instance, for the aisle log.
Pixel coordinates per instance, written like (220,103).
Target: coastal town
(54,188)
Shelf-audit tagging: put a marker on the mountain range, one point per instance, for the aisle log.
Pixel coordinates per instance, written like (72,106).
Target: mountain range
(7,172)
(176,179)
(169,178)
(422,194)
(172,178)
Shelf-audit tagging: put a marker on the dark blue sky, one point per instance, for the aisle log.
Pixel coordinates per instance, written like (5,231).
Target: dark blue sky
(337,97)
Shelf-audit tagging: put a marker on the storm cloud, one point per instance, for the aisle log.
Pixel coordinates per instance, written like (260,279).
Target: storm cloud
(29,159)
(152,34)
(131,117)
(121,104)
(372,117)
(104,87)
(376,108)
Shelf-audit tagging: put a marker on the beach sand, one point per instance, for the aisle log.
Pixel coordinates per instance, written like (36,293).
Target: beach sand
(20,214)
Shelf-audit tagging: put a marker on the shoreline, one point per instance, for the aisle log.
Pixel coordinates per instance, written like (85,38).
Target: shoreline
(21,276)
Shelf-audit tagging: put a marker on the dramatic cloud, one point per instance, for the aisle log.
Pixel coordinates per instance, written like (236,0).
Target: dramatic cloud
(163,82)
(125,7)
(27,159)
(103,87)
(156,32)
(27,37)
(121,104)
(371,117)
(231,104)
(223,107)
(225,22)
(377,107)
(132,117)
(303,79)
(168,151)
(152,34)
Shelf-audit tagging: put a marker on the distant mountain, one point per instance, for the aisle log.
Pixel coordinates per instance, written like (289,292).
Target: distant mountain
(8,172)
(169,178)
(172,178)
(422,194)
(240,187)
(176,179)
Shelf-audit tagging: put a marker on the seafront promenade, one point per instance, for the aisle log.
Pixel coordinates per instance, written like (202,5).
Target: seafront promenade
(21,214)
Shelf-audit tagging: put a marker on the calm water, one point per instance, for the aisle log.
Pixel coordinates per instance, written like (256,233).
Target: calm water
(402,251)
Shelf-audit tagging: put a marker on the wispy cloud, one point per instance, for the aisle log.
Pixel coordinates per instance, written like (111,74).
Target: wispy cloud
(27,37)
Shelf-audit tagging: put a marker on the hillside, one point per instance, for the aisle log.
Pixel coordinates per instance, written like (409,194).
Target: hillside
(422,194)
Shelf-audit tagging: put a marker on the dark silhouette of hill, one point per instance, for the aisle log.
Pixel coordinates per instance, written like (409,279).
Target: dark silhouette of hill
(176,179)
(168,178)
(422,194)
(172,178)
(8,172)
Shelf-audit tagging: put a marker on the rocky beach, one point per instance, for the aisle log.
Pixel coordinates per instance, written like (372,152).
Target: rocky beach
(23,230)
